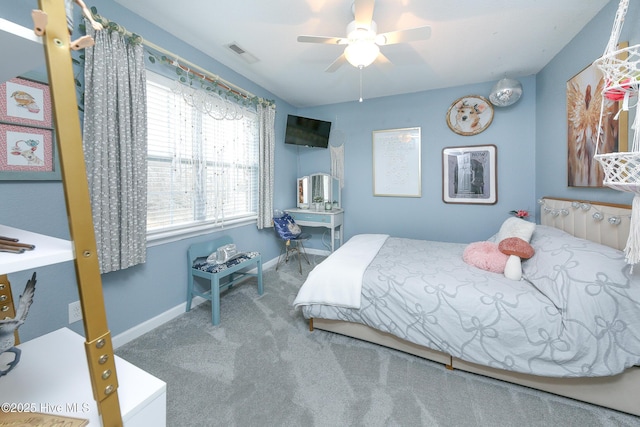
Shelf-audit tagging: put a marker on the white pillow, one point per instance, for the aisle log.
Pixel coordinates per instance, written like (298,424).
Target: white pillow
(515,227)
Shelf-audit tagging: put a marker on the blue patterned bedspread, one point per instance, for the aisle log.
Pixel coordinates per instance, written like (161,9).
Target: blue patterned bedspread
(576,314)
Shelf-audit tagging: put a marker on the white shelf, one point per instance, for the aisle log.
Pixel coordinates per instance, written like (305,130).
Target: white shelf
(53,377)
(49,250)
(22,50)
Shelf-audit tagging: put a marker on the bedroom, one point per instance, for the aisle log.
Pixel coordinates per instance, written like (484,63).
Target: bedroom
(533,129)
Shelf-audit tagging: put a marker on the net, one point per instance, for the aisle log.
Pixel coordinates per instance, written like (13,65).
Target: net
(621,70)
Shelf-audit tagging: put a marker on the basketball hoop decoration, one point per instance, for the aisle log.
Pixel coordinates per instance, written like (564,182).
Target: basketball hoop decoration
(621,69)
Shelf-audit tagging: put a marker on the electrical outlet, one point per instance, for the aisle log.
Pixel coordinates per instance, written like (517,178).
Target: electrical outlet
(75,312)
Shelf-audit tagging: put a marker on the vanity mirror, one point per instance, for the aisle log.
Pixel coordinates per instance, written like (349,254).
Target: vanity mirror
(319,191)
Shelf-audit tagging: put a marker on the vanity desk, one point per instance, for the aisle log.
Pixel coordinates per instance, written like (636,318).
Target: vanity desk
(332,219)
(314,193)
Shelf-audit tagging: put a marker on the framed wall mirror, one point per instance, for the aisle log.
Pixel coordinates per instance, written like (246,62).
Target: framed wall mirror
(318,189)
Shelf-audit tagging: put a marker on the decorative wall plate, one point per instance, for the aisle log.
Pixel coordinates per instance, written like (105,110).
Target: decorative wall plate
(470,115)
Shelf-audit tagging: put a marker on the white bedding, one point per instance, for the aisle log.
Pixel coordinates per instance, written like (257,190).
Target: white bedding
(579,315)
(338,280)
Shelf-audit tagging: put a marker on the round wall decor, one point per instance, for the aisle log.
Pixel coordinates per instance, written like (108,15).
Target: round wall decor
(470,115)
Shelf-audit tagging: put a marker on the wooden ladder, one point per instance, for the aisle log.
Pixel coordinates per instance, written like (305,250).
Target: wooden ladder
(98,345)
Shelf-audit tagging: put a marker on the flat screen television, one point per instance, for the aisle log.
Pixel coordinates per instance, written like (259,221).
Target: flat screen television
(307,132)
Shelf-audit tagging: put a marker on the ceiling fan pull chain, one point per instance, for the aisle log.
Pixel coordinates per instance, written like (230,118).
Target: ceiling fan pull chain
(360,100)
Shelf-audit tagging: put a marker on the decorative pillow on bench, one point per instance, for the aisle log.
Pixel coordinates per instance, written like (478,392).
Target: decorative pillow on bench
(214,267)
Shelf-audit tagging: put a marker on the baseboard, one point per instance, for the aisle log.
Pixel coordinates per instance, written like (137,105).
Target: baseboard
(149,325)
(313,251)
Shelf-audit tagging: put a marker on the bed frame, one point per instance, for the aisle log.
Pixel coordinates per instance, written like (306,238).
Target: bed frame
(589,220)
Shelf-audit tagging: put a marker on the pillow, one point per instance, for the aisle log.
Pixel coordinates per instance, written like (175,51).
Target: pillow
(516,246)
(286,227)
(564,265)
(485,255)
(515,227)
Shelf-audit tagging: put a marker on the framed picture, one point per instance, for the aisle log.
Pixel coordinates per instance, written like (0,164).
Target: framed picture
(396,162)
(470,175)
(470,115)
(27,153)
(25,102)
(584,102)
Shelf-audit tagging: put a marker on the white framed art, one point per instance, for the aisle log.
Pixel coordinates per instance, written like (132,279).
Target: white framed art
(396,163)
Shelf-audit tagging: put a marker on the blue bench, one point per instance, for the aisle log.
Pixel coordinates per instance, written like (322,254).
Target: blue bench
(231,270)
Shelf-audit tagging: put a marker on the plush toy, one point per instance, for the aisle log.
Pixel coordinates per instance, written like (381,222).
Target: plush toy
(521,229)
(517,249)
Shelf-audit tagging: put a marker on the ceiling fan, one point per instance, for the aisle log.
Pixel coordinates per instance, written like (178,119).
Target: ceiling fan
(362,41)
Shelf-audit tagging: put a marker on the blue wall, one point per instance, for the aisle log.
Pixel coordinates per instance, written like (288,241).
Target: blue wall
(551,127)
(137,294)
(428,217)
(531,153)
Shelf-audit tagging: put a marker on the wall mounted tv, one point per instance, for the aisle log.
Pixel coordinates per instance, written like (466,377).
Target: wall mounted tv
(307,132)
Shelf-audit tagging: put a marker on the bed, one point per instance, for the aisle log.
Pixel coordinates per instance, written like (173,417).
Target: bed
(571,326)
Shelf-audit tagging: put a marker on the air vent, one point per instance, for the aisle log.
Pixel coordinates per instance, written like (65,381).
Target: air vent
(237,49)
(246,56)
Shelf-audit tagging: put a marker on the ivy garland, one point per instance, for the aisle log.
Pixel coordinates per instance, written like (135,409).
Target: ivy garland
(185,75)
(193,78)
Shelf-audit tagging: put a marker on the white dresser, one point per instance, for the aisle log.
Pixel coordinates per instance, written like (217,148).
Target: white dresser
(331,219)
(52,377)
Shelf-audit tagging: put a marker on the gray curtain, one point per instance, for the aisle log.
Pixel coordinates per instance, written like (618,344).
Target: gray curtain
(115,148)
(267,118)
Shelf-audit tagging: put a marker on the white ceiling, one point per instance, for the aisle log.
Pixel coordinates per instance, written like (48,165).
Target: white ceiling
(472,41)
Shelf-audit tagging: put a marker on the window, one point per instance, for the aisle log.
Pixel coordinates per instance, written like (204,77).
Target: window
(202,172)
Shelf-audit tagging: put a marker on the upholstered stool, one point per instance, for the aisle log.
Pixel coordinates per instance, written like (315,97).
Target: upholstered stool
(230,271)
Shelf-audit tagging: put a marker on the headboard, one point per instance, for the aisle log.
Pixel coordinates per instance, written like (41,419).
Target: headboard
(599,222)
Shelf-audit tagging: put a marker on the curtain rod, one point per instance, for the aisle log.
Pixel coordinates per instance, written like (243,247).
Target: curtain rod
(179,62)
(188,66)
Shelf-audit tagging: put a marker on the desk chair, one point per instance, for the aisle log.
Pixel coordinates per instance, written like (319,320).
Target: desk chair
(292,243)
(230,271)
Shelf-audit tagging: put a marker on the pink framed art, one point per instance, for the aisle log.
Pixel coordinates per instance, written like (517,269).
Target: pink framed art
(27,153)
(25,102)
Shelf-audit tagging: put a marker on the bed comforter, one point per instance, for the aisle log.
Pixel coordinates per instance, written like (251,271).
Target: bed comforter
(576,313)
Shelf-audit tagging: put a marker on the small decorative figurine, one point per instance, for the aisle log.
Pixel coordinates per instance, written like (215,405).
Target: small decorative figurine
(9,326)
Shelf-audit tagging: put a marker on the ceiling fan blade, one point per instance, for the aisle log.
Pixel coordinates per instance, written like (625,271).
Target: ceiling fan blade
(383,60)
(322,39)
(403,36)
(336,64)
(363,12)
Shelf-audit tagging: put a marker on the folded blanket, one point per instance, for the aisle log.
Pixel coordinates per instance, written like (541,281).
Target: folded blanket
(338,279)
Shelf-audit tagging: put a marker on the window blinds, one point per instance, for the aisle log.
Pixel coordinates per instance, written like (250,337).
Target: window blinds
(200,170)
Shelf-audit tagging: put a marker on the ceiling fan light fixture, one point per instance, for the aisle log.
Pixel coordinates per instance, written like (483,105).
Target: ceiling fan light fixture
(362,53)
(357,32)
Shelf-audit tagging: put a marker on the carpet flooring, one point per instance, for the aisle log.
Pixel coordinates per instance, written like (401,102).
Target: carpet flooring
(262,367)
